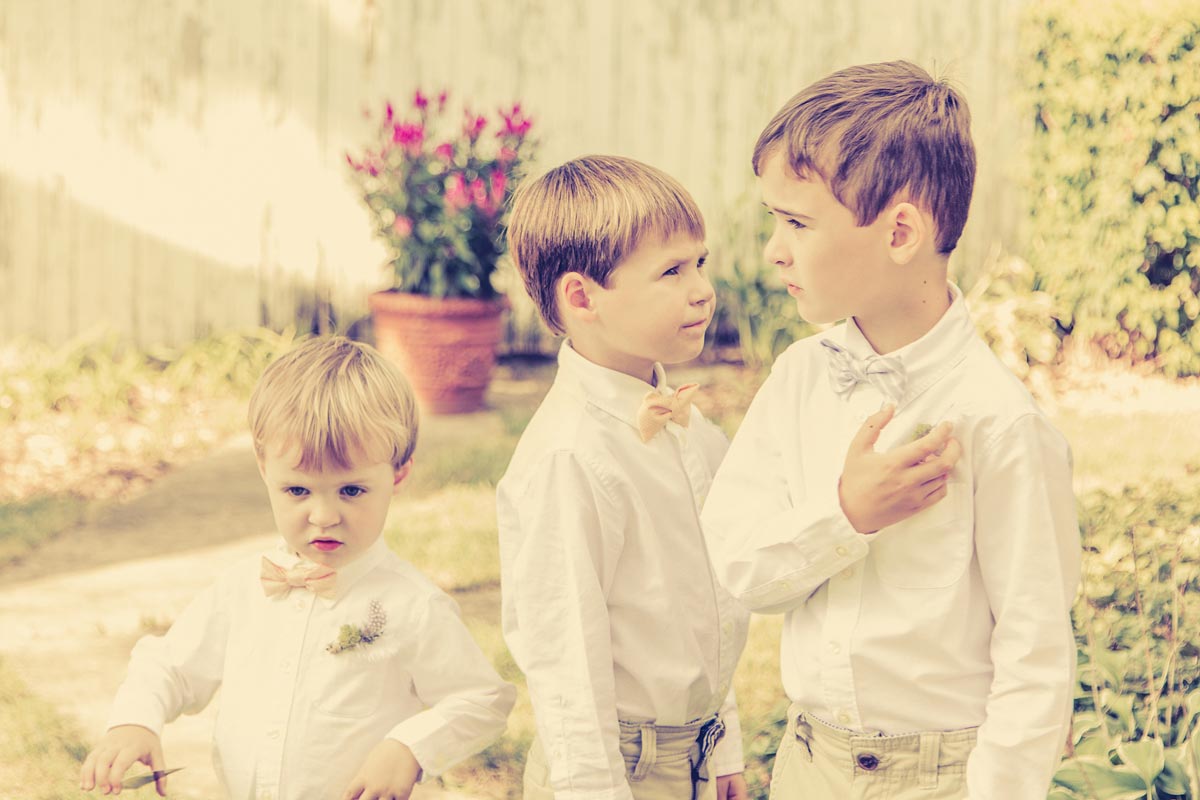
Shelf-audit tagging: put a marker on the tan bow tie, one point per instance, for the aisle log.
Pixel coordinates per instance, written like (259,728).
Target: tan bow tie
(657,409)
(277,581)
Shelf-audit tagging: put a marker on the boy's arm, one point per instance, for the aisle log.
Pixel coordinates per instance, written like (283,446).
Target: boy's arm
(467,702)
(560,541)
(178,672)
(772,549)
(1027,541)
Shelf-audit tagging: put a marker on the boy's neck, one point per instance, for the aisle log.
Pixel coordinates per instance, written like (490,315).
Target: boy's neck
(903,323)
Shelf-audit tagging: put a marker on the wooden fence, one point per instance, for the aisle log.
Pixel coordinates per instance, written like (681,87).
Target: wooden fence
(170,168)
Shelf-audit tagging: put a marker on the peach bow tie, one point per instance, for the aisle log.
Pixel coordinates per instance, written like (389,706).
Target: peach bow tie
(277,581)
(657,409)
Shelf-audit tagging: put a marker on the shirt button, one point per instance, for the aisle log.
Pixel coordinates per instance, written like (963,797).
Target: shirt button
(286,666)
(299,603)
(835,648)
(848,572)
(841,550)
(727,629)
(272,734)
(843,718)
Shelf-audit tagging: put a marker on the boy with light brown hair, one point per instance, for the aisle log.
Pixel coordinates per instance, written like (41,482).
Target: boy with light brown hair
(926,655)
(610,607)
(344,673)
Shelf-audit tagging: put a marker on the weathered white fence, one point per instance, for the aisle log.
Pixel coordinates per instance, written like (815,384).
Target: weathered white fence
(173,167)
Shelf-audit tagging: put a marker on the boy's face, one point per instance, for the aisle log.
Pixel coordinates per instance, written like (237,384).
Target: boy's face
(329,516)
(831,265)
(656,307)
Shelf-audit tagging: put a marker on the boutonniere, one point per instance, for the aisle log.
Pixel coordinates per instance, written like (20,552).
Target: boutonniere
(358,637)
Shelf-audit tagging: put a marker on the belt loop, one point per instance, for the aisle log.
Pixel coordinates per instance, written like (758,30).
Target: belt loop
(927,765)
(803,731)
(647,753)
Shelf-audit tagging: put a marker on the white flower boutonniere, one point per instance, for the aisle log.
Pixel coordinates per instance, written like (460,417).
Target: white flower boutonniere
(352,637)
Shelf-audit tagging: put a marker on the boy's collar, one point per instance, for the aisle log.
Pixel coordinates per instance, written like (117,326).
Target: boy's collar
(616,393)
(935,353)
(347,574)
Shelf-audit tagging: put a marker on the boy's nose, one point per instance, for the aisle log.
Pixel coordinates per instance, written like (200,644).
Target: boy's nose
(323,515)
(702,291)
(775,253)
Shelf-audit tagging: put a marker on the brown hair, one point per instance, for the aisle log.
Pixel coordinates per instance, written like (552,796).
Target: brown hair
(335,400)
(877,131)
(587,216)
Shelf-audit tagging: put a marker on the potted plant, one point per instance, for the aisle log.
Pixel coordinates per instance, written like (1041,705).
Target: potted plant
(437,191)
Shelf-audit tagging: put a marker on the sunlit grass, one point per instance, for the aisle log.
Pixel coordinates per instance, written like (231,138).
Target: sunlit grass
(42,751)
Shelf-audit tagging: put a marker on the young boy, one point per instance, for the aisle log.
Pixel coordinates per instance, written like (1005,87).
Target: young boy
(610,605)
(926,657)
(344,672)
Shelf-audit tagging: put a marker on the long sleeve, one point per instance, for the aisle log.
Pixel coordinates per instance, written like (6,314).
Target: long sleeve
(467,702)
(773,543)
(727,756)
(178,672)
(1027,540)
(557,623)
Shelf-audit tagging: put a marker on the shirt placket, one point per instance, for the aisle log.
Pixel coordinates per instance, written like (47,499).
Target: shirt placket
(844,592)
(700,480)
(280,692)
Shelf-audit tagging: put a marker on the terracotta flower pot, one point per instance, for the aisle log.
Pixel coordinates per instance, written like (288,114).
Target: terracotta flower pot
(446,347)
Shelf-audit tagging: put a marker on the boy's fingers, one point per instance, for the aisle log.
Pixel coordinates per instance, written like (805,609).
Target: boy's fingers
(87,772)
(935,495)
(928,445)
(120,764)
(157,764)
(354,792)
(868,434)
(103,763)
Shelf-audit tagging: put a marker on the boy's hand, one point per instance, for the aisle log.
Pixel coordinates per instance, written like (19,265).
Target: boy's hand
(104,768)
(388,774)
(732,787)
(879,489)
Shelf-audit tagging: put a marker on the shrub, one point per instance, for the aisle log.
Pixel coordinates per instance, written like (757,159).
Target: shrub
(1114,94)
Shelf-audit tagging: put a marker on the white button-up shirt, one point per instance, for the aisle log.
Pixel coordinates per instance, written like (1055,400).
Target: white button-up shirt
(610,605)
(956,617)
(296,721)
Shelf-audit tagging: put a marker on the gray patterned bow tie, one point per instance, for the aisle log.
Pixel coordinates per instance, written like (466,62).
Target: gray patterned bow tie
(885,373)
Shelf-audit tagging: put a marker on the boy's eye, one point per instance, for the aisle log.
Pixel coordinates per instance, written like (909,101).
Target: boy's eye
(701,262)
(353,491)
(672,271)
(296,491)
(797,224)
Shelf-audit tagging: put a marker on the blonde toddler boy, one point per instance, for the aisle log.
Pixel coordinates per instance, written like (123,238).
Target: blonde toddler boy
(344,672)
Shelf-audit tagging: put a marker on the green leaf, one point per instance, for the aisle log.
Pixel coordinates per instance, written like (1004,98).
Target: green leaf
(1145,757)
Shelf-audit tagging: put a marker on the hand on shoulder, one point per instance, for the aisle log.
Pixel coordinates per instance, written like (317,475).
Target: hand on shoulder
(881,489)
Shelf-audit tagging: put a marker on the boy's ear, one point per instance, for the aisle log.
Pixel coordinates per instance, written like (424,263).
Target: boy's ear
(574,296)
(401,473)
(908,229)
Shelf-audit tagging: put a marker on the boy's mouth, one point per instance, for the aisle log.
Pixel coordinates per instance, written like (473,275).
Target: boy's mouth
(326,545)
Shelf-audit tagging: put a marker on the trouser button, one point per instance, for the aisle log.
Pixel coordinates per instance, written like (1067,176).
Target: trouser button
(868,762)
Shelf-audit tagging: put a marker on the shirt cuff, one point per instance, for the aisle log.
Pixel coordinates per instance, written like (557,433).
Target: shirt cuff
(727,758)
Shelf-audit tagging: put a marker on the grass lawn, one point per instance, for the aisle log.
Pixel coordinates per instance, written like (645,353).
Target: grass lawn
(42,751)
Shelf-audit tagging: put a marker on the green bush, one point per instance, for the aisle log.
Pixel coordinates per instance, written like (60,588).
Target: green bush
(1137,626)
(1113,89)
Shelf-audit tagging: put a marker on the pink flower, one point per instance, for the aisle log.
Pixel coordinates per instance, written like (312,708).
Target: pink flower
(403,227)
(390,113)
(410,136)
(445,151)
(473,126)
(515,123)
(420,101)
(506,155)
(442,95)
(479,195)
(456,193)
(499,182)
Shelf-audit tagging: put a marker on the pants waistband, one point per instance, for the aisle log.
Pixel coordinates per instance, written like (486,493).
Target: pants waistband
(696,739)
(922,754)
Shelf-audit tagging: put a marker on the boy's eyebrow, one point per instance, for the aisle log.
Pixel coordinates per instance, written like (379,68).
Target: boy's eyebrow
(785,212)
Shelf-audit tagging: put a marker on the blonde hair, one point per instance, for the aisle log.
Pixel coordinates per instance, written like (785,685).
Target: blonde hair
(876,132)
(335,400)
(587,216)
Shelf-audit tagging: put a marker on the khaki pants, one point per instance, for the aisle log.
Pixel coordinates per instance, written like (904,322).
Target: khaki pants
(817,761)
(659,764)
